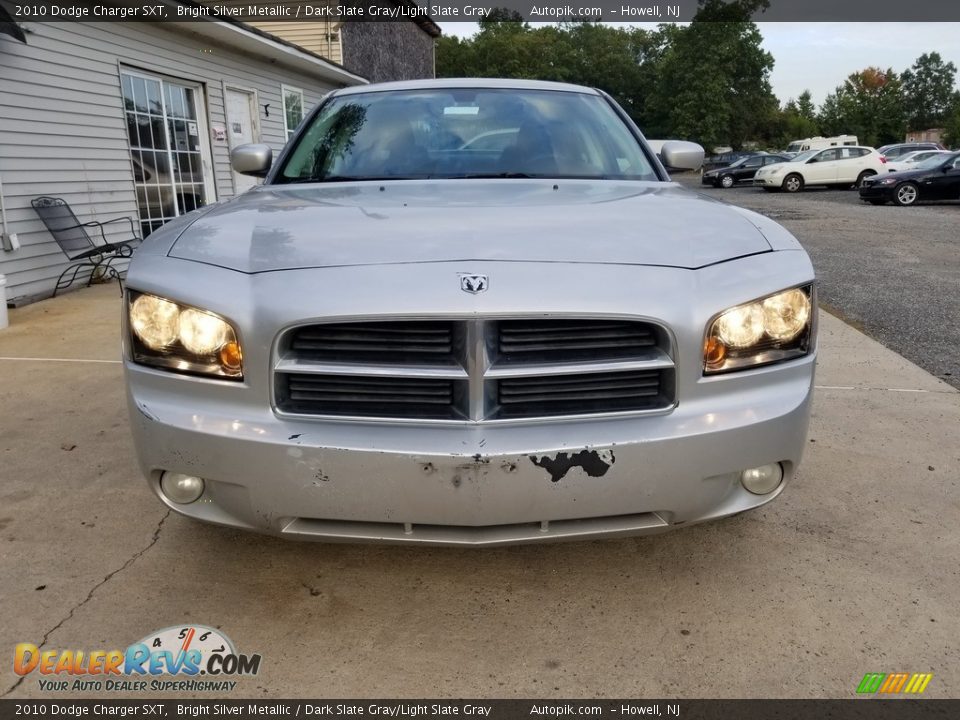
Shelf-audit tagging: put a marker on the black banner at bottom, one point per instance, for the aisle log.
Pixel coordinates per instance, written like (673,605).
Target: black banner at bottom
(865,708)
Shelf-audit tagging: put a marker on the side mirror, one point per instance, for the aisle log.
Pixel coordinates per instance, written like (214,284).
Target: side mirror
(811,160)
(252,159)
(681,155)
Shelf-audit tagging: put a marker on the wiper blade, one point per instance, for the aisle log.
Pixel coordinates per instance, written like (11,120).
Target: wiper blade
(484,176)
(344,178)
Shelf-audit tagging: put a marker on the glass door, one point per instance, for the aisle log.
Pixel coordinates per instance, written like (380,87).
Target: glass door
(165,128)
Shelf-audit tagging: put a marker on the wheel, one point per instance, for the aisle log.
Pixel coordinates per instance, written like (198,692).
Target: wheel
(863,176)
(793,183)
(727,181)
(906,194)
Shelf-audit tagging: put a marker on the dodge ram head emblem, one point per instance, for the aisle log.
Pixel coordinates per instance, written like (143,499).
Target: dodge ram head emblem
(473,283)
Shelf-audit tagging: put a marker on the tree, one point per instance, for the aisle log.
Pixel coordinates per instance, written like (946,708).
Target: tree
(952,125)
(795,121)
(928,89)
(869,105)
(714,79)
(805,107)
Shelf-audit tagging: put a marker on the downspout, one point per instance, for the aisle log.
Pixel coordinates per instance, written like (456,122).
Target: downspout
(10,241)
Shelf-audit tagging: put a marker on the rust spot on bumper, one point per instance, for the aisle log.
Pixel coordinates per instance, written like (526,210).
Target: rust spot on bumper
(594,463)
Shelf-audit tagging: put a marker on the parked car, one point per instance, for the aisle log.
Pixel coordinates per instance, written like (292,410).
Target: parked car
(393,340)
(937,178)
(728,158)
(898,150)
(912,159)
(839,166)
(741,171)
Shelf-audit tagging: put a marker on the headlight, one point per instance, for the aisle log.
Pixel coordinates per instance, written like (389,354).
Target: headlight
(177,337)
(774,328)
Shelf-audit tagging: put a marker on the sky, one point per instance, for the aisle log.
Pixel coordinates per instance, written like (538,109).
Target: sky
(819,56)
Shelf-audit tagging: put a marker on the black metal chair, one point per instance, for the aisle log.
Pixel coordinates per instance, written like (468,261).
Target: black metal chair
(72,237)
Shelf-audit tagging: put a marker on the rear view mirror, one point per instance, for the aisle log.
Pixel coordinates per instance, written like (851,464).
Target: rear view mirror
(681,155)
(252,159)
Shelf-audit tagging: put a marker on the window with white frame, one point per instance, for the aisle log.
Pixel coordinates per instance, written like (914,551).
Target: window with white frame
(292,109)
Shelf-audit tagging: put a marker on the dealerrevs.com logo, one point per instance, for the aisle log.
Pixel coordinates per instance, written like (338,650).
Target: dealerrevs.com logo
(181,658)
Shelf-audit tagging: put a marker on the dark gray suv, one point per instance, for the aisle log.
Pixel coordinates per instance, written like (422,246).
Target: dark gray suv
(897,150)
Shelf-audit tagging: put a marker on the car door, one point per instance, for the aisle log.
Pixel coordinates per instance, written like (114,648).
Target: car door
(821,169)
(849,165)
(942,183)
(748,169)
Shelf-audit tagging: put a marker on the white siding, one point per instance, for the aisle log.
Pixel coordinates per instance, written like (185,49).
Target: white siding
(63,132)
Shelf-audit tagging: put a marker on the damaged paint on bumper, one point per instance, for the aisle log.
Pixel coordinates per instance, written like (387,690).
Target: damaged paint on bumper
(471,484)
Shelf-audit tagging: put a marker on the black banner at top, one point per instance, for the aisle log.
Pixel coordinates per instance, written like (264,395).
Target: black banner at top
(862,709)
(468,10)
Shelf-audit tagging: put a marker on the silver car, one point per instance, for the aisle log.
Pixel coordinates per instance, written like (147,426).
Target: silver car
(402,336)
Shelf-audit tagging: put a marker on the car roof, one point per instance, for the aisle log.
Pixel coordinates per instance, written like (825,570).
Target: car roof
(456,83)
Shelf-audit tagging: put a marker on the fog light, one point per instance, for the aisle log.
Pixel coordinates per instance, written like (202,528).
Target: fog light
(181,489)
(762,480)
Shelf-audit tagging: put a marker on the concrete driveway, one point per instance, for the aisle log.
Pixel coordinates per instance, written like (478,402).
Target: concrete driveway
(853,570)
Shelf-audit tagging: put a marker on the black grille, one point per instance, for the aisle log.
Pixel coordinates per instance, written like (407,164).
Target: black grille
(475,369)
(402,342)
(523,397)
(556,341)
(366,396)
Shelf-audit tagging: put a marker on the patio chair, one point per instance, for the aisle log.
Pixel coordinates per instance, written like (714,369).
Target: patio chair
(72,237)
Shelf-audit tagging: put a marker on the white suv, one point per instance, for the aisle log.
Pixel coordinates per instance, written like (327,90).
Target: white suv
(841,166)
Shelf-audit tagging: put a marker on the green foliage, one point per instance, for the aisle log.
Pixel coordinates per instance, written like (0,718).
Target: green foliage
(928,90)
(870,105)
(952,124)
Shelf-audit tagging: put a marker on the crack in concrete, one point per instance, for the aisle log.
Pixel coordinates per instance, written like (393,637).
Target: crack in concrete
(132,559)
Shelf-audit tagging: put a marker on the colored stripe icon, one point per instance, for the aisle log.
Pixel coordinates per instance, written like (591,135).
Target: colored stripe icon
(892,683)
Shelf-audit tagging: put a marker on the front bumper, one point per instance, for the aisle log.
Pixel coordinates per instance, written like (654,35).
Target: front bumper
(470,484)
(877,192)
(768,181)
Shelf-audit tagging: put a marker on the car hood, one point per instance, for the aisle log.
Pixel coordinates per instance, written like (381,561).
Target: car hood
(903,175)
(281,227)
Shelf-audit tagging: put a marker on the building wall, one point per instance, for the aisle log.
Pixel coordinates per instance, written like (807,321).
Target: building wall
(930,135)
(384,51)
(320,36)
(63,131)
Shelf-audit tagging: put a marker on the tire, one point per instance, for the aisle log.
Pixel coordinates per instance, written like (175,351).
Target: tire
(906,194)
(727,181)
(793,183)
(861,177)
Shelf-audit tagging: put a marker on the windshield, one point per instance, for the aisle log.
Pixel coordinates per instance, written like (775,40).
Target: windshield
(795,147)
(461,133)
(932,162)
(803,157)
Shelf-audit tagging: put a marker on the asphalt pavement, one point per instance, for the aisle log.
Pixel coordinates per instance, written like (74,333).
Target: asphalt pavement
(893,272)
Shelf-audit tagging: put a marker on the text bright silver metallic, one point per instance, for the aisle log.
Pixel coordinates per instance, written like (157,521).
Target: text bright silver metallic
(281,257)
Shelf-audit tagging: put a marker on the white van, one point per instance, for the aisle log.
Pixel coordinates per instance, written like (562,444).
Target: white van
(819,143)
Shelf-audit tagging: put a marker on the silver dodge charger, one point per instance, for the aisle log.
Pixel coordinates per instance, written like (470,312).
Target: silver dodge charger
(468,312)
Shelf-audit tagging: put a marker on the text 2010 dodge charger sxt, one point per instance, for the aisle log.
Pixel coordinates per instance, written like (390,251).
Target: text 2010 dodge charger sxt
(468,312)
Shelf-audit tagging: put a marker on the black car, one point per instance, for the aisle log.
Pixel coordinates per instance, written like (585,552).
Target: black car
(742,171)
(937,178)
(728,158)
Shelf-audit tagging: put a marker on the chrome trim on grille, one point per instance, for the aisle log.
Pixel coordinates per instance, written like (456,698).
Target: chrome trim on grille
(476,366)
